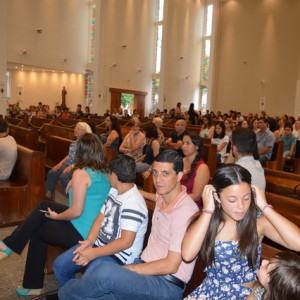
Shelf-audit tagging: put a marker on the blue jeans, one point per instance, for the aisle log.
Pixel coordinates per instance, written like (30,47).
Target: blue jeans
(65,269)
(54,176)
(109,280)
(39,231)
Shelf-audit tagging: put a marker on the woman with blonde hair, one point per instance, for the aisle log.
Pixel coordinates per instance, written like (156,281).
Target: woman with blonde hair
(134,141)
(63,171)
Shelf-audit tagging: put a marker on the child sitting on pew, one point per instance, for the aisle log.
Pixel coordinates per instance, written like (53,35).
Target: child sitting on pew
(278,278)
(289,143)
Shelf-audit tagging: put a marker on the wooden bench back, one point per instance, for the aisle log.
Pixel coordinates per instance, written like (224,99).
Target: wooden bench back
(24,189)
(25,136)
(275,162)
(110,154)
(210,157)
(69,123)
(283,183)
(38,123)
(56,149)
(286,206)
(17,122)
(297,158)
(124,131)
(67,133)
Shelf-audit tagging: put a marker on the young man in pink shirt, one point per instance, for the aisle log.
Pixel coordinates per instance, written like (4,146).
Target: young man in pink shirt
(160,273)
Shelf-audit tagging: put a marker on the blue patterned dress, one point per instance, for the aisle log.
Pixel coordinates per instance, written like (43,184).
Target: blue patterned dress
(225,278)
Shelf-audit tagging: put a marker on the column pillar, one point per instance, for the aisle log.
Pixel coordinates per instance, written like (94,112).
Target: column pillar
(3,55)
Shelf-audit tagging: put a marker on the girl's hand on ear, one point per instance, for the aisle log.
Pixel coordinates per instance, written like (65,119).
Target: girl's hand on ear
(259,196)
(208,197)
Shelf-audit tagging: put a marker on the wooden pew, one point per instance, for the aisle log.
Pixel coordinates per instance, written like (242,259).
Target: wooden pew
(25,136)
(97,122)
(283,183)
(67,133)
(296,160)
(276,160)
(124,130)
(210,157)
(286,206)
(37,123)
(24,189)
(56,149)
(109,155)
(17,122)
(69,123)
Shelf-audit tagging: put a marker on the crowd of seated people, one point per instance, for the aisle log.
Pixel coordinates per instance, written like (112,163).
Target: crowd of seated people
(181,179)
(268,129)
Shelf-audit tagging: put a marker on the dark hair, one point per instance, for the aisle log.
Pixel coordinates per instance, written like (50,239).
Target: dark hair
(273,125)
(225,176)
(90,153)
(245,141)
(288,125)
(284,280)
(292,120)
(265,120)
(93,126)
(115,125)
(151,131)
(79,105)
(191,108)
(209,119)
(172,157)
(58,107)
(3,125)
(124,167)
(197,141)
(222,134)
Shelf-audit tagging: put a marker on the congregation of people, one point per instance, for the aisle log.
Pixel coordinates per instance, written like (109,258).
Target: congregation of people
(219,218)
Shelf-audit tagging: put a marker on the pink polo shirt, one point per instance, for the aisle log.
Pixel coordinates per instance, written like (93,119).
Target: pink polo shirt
(168,229)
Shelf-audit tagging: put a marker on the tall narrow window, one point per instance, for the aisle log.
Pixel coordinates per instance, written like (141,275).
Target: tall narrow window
(89,75)
(88,87)
(157,60)
(206,54)
(92,33)
(8,86)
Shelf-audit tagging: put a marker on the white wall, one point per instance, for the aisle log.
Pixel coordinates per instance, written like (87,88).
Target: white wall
(258,41)
(183,49)
(126,46)
(64,34)
(47,87)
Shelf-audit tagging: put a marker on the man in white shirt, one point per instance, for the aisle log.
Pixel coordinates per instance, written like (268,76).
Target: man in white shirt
(8,151)
(244,149)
